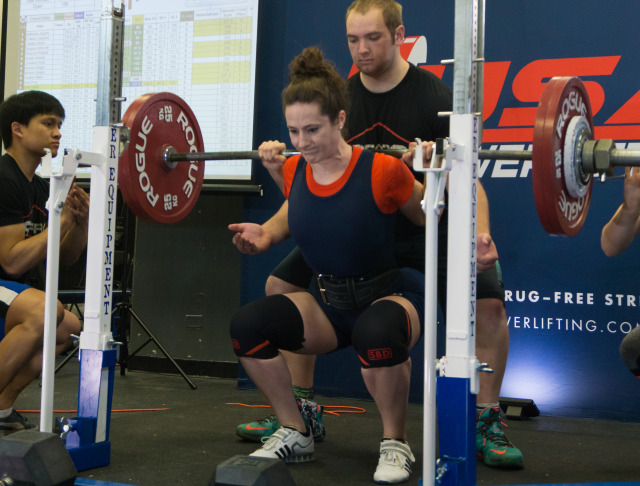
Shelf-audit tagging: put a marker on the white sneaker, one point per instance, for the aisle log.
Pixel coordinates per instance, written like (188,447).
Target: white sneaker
(287,444)
(394,465)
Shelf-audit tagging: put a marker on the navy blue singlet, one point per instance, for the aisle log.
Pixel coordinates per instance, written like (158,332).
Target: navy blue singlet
(346,233)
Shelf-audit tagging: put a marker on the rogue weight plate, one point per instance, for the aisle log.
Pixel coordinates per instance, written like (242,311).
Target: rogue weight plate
(152,189)
(562,99)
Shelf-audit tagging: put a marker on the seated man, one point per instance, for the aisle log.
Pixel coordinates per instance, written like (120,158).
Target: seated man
(30,123)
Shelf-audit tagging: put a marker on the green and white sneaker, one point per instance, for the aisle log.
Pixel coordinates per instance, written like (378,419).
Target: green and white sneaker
(492,445)
(264,428)
(255,431)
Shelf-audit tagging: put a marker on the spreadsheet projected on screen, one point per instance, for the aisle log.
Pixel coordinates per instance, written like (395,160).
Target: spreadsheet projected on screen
(203,51)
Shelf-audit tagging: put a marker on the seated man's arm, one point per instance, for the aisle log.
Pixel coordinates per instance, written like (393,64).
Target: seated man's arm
(17,254)
(74,240)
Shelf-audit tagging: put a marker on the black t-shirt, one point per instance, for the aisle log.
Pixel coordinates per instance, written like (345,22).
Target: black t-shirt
(23,202)
(389,121)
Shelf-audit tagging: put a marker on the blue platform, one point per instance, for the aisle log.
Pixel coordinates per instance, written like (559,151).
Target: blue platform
(91,482)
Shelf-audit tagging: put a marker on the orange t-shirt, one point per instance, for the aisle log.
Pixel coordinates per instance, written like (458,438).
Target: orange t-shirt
(391,180)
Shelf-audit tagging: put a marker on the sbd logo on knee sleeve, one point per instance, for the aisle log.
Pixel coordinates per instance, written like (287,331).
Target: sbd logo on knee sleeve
(379,354)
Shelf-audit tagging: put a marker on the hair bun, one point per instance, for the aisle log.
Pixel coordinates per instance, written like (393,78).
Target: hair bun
(313,79)
(309,63)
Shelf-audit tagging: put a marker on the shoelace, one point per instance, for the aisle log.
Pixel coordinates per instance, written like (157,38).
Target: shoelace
(397,453)
(20,417)
(271,441)
(394,457)
(494,435)
(278,443)
(269,419)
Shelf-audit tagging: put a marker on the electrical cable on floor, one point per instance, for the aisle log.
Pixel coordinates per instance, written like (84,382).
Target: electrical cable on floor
(338,409)
(328,409)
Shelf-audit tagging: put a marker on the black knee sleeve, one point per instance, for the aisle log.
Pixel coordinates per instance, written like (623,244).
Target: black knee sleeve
(381,335)
(262,327)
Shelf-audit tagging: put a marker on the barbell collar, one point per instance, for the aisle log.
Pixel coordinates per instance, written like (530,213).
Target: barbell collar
(609,157)
(602,156)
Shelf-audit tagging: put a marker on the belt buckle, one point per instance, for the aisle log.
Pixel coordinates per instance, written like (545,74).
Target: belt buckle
(321,288)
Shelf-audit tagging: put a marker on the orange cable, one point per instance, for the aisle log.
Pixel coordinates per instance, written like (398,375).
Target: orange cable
(247,405)
(328,409)
(338,409)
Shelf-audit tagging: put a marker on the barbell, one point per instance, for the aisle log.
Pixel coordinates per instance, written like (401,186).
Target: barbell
(171,157)
(162,168)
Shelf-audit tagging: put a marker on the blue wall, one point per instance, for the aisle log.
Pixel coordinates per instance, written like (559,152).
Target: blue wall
(563,355)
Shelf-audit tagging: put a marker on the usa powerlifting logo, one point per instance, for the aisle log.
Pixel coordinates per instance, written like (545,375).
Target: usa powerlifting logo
(572,311)
(511,128)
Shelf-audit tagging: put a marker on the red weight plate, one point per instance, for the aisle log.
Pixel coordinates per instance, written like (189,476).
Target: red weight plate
(153,191)
(559,212)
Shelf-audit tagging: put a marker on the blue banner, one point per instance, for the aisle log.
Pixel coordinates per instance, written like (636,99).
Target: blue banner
(568,305)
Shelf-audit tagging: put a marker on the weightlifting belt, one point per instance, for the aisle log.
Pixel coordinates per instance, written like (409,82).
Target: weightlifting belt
(354,293)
